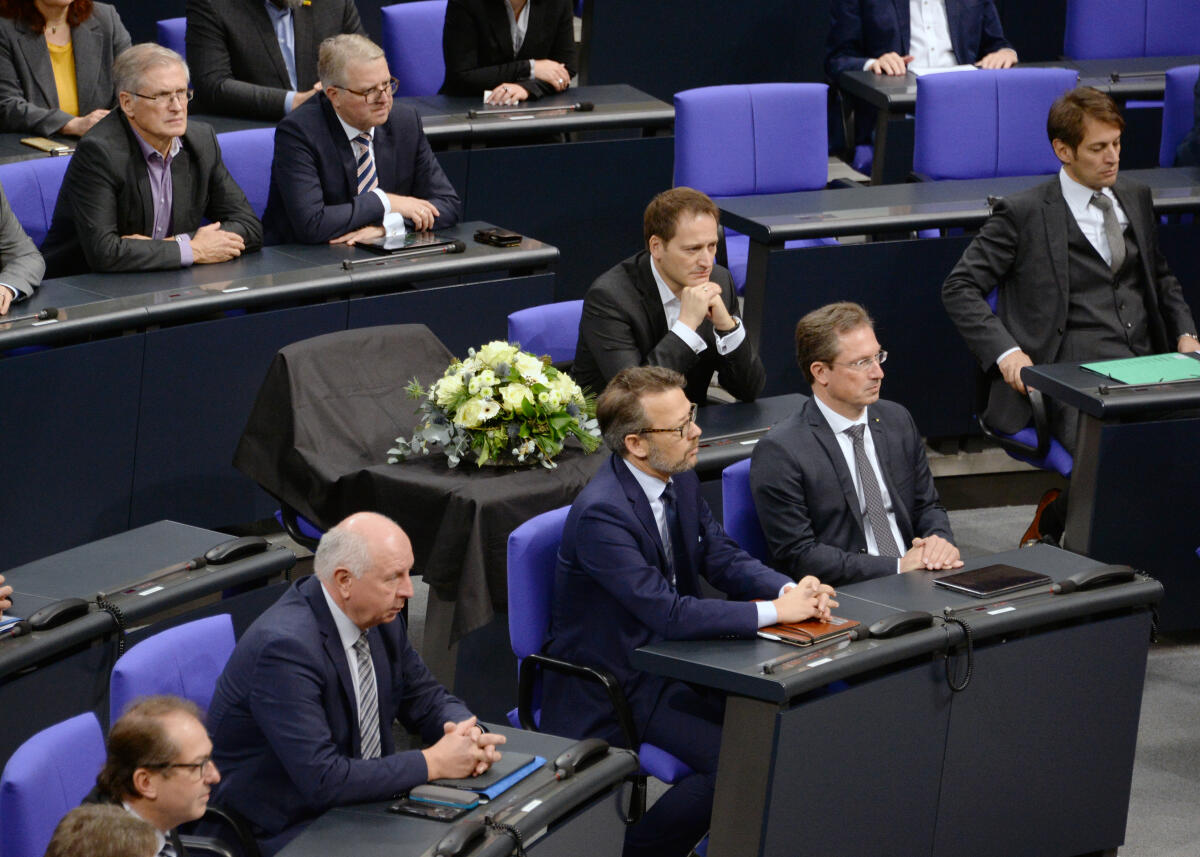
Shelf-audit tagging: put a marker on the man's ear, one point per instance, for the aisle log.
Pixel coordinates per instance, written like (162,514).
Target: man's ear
(820,373)
(143,783)
(1065,153)
(635,446)
(655,246)
(125,102)
(343,579)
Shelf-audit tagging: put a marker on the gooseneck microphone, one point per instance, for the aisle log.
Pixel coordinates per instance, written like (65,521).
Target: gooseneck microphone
(44,315)
(455,246)
(577,107)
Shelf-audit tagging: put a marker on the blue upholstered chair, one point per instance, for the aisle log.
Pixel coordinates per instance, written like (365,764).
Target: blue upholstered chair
(532,554)
(172,33)
(547,329)
(1098,29)
(1178,110)
(32,190)
(248,156)
(45,779)
(754,139)
(182,661)
(986,123)
(412,40)
(740,517)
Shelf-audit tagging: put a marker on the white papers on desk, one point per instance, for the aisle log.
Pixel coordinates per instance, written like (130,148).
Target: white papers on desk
(920,72)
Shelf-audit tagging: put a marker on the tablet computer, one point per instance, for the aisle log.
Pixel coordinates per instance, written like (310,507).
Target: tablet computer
(992,580)
(389,244)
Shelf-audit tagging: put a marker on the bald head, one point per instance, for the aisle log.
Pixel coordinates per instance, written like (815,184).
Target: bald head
(364,564)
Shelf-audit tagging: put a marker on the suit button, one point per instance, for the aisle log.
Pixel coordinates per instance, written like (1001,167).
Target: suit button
(1060,331)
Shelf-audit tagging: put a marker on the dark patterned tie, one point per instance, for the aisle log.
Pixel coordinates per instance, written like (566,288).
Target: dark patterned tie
(168,850)
(366,165)
(674,540)
(1112,229)
(368,701)
(871,493)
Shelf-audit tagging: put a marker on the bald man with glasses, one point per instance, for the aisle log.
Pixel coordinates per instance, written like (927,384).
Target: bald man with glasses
(352,165)
(842,487)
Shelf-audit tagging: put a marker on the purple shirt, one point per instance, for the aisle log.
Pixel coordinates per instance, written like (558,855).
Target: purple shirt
(162,195)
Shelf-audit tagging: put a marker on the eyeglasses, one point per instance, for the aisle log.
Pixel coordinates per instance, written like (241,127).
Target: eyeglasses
(376,94)
(183,96)
(196,769)
(866,363)
(680,430)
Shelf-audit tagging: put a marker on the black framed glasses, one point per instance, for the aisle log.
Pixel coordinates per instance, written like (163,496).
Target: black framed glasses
(680,430)
(196,769)
(376,94)
(866,363)
(165,98)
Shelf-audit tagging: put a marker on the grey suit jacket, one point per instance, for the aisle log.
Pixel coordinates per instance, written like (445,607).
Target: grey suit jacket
(808,506)
(106,194)
(1022,250)
(624,325)
(28,96)
(21,265)
(237,66)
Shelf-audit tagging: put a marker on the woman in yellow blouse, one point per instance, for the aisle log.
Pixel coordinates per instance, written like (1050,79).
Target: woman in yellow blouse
(56,61)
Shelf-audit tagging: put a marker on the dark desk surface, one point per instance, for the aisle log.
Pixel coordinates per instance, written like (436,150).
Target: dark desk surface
(731,430)
(776,218)
(91,304)
(1104,398)
(735,666)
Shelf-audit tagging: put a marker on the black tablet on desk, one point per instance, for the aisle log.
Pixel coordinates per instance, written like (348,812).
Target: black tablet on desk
(389,244)
(992,580)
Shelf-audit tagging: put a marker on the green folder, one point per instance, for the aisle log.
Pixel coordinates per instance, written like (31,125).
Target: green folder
(1152,369)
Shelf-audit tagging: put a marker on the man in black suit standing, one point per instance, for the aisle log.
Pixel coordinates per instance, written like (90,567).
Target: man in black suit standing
(1078,272)
(843,487)
(258,58)
(144,179)
(669,305)
(352,165)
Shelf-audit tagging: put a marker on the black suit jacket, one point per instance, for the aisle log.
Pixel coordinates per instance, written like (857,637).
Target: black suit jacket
(865,29)
(1022,250)
(314,178)
(478,50)
(28,96)
(1188,152)
(807,503)
(624,325)
(96,796)
(106,194)
(237,66)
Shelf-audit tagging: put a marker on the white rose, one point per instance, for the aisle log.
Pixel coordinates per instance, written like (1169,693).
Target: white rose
(513,395)
(470,414)
(530,368)
(497,351)
(448,389)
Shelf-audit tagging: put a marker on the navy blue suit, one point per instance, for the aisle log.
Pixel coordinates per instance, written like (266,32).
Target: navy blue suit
(865,29)
(611,596)
(284,718)
(314,178)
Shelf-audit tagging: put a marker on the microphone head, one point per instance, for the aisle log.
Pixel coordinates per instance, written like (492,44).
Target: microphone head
(47,313)
(456,246)
(585,107)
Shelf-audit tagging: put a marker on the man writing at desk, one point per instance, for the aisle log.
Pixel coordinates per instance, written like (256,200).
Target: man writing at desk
(143,180)
(351,164)
(843,487)
(1079,276)
(302,715)
(637,541)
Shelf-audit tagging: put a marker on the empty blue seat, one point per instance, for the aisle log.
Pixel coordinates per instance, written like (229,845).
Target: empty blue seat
(1099,29)
(32,190)
(547,329)
(248,156)
(172,33)
(412,41)
(739,515)
(1179,115)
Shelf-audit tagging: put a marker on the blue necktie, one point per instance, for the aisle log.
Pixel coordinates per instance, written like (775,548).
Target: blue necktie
(675,549)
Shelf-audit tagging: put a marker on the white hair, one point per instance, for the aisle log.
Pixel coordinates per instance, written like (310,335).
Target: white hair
(341,547)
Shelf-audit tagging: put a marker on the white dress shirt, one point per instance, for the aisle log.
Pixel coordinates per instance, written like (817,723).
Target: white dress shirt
(348,633)
(284,26)
(929,35)
(393,221)
(672,307)
(839,424)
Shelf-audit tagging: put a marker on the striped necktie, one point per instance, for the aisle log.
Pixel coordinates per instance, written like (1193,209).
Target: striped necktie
(367,180)
(368,700)
(876,514)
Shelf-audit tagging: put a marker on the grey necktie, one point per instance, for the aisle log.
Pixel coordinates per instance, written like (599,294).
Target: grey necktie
(368,701)
(1112,229)
(876,514)
(168,850)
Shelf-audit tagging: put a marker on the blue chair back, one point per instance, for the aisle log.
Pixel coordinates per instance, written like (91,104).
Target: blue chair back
(740,517)
(32,190)
(172,33)
(547,329)
(1099,29)
(45,779)
(532,555)
(182,661)
(987,123)
(1178,110)
(412,41)
(752,139)
(248,155)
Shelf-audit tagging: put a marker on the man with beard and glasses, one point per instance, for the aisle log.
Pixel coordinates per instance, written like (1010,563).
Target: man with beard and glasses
(258,58)
(637,541)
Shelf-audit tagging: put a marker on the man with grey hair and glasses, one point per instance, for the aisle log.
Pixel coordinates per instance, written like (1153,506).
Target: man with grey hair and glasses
(144,179)
(302,714)
(351,164)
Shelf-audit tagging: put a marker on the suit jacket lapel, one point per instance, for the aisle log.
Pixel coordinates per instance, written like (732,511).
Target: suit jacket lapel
(498,20)
(332,643)
(953,14)
(903,21)
(86,45)
(1055,214)
(266,32)
(651,300)
(824,436)
(382,144)
(887,456)
(183,195)
(689,528)
(641,506)
(344,149)
(37,56)
(1137,222)
(305,39)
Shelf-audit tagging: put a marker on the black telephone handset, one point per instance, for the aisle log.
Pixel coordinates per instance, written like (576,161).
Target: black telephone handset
(462,834)
(236,549)
(1093,578)
(574,757)
(901,623)
(58,613)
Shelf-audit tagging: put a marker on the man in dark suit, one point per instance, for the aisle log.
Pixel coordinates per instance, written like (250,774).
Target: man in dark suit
(637,541)
(1187,154)
(302,714)
(671,306)
(159,766)
(143,180)
(1078,272)
(21,265)
(816,476)
(258,58)
(351,164)
(516,49)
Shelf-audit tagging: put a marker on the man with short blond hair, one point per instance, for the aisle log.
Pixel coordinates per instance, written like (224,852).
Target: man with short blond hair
(99,830)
